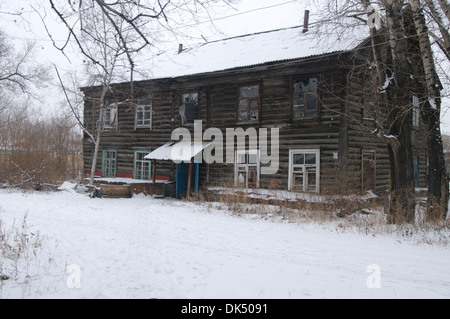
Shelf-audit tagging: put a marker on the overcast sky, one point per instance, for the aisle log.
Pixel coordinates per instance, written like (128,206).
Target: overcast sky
(251,16)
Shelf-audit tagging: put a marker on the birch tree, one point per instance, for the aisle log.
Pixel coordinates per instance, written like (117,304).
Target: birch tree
(438,183)
(390,75)
(128,28)
(399,24)
(438,23)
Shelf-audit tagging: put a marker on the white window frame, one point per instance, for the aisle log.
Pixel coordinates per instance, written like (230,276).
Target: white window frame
(142,163)
(304,168)
(244,167)
(144,108)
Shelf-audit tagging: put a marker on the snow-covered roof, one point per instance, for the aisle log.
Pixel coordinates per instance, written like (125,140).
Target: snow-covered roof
(177,152)
(248,50)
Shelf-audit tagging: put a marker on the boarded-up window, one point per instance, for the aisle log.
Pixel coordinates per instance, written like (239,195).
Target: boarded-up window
(189,109)
(305,104)
(248,108)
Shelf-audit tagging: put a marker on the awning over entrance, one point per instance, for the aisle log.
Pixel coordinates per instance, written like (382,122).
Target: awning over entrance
(177,151)
(182,153)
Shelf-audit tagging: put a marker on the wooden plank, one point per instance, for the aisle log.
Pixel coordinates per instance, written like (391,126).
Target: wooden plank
(116,191)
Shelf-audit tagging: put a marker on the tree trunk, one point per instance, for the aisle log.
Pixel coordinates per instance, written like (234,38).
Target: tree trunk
(402,200)
(98,135)
(445,8)
(402,205)
(98,132)
(437,183)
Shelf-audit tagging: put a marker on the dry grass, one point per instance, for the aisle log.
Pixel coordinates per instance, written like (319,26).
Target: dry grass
(349,213)
(24,253)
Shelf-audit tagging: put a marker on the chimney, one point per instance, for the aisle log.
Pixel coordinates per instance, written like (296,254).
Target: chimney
(180,48)
(306,22)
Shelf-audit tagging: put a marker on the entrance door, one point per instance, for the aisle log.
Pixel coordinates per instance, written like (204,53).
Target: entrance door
(183,179)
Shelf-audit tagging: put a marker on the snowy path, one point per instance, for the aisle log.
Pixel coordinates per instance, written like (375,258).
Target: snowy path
(150,248)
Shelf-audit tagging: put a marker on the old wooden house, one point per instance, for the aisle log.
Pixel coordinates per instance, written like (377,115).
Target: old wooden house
(318,96)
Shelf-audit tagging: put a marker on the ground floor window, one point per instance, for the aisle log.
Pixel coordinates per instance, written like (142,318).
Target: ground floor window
(109,163)
(247,169)
(304,170)
(142,166)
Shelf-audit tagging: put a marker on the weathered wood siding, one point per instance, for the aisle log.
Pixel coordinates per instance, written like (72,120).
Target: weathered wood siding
(339,130)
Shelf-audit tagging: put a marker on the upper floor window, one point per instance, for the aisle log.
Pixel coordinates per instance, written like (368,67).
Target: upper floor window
(144,112)
(110,115)
(305,101)
(189,109)
(248,108)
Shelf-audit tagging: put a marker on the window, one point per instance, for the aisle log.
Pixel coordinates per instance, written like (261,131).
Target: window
(109,163)
(110,116)
(189,109)
(305,95)
(247,167)
(304,170)
(142,166)
(368,108)
(416,170)
(415,112)
(144,112)
(248,108)
(368,170)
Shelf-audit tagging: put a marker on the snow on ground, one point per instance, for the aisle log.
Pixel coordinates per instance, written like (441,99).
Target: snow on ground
(160,248)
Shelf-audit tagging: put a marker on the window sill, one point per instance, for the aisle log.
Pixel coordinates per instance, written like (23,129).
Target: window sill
(248,122)
(306,119)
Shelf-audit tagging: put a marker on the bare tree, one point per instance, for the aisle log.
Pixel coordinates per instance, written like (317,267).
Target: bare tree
(18,70)
(390,74)
(438,23)
(100,44)
(438,182)
(111,34)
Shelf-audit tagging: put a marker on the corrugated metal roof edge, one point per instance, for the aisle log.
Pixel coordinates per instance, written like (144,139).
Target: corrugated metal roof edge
(85,88)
